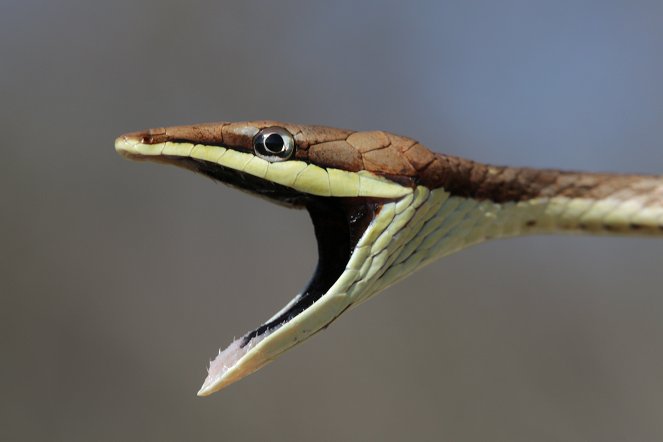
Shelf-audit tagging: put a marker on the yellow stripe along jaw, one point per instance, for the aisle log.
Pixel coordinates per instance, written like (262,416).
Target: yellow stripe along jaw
(349,211)
(295,174)
(373,231)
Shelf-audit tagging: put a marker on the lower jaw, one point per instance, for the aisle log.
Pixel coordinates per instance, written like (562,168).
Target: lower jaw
(338,225)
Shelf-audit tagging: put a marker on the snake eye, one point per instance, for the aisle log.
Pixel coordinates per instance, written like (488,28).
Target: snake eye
(274,144)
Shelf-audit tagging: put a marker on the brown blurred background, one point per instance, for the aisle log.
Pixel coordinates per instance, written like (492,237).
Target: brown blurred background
(120,280)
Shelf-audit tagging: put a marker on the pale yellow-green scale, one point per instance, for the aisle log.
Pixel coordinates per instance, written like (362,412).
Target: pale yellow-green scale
(422,225)
(427,225)
(295,174)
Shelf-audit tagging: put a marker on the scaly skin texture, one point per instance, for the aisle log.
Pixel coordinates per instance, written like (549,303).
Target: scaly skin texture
(404,205)
(409,163)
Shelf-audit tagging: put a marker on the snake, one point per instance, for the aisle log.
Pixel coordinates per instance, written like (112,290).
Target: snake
(383,206)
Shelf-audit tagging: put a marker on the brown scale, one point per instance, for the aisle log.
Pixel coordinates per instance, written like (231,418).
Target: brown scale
(407,162)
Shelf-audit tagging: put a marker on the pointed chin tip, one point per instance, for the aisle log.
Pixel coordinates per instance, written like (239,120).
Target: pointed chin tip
(212,385)
(205,391)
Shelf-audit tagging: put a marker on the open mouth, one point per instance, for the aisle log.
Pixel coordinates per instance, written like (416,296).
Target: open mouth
(345,229)
(338,224)
(382,206)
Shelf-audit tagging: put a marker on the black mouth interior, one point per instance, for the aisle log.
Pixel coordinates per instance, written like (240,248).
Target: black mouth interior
(338,223)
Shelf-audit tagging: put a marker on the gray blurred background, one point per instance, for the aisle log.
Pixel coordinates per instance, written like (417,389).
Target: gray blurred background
(119,280)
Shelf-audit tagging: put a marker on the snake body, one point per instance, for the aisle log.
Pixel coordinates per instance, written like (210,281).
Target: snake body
(383,206)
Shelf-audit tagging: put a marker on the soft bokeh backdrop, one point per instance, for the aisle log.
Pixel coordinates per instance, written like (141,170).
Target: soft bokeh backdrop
(119,280)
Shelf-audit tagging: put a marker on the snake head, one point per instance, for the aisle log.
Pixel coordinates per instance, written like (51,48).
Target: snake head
(350,183)
(382,206)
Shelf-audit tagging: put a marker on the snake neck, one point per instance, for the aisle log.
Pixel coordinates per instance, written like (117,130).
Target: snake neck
(526,200)
(431,223)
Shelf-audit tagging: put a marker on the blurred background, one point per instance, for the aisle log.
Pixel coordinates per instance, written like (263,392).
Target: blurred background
(119,280)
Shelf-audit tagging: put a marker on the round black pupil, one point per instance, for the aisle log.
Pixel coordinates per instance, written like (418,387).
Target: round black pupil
(274,143)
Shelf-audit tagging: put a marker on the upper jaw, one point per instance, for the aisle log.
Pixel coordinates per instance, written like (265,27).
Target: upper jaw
(134,146)
(125,144)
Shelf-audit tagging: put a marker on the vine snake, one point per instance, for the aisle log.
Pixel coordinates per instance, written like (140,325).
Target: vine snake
(383,206)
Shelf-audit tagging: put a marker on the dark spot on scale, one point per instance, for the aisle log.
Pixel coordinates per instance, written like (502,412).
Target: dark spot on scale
(531,223)
(583,226)
(610,228)
(635,226)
